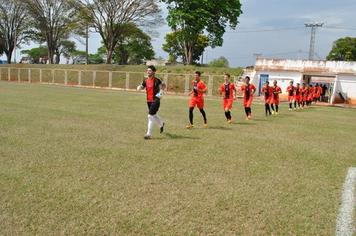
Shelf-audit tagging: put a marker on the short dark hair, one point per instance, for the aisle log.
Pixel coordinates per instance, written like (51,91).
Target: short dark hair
(198,72)
(247,77)
(153,68)
(228,75)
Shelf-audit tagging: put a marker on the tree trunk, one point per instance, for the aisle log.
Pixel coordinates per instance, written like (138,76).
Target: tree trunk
(188,51)
(109,58)
(58,56)
(9,56)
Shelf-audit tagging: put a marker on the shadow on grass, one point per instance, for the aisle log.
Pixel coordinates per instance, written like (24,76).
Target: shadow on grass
(244,123)
(218,127)
(177,136)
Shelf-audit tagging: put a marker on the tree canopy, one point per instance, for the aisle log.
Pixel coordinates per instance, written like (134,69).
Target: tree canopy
(109,18)
(219,62)
(174,46)
(14,26)
(344,49)
(196,17)
(54,21)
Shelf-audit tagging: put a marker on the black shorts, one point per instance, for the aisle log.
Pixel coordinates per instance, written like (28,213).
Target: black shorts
(153,107)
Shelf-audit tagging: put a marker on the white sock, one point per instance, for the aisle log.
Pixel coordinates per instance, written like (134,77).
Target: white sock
(150,125)
(158,120)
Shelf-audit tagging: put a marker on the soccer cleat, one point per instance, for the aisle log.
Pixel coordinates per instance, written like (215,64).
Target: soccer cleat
(161,129)
(205,125)
(273,112)
(190,126)
(229,121)
(290,109)
(147,136)
(276,113)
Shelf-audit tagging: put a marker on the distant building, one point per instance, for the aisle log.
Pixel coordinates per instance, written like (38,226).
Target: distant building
(339,77)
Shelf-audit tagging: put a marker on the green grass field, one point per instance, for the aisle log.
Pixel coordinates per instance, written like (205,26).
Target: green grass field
(74,162)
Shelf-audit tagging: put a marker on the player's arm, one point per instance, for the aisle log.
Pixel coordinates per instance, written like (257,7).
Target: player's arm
(141,86)
(253,90)
(203,89)
(234,93)
(162,88)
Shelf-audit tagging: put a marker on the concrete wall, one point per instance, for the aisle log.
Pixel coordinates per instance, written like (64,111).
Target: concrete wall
(346,84)
(282,77)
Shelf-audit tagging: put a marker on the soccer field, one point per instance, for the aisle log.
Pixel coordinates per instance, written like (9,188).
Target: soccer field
(73,161)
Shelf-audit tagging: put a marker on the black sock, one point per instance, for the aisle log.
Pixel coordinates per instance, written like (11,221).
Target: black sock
(269,109)
(191,115)
(276,108)
(204,115)
(266,108)
(246,111)
(226,115)
(290,105)
(249,111)
(272,106)
(295,104)
(229,115)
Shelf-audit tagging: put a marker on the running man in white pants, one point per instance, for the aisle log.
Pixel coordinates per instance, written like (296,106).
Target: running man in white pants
(153,87)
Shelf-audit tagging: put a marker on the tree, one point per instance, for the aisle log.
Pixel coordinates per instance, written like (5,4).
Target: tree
(54,20)
(133,47)
(219,62)
(109,18)
(344,49)
(14,25)
(197,17)
(67,48)
(174,46)
(36,53)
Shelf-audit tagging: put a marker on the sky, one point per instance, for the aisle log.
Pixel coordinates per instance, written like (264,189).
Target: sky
(273,29)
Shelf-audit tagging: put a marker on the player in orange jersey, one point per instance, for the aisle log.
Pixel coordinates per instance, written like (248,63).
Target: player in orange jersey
(276,91)
(248,90)
(297,96)
(197,99)
(268,96)
(290,91)
(228,90)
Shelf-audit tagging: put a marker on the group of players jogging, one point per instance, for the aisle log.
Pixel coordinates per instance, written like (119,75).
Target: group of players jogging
(299,96)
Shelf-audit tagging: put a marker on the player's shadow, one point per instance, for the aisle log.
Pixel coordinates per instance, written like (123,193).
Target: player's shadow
(244,123)
(178,136)
(219,128)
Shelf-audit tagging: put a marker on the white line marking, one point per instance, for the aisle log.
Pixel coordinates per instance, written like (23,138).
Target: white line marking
(344,223)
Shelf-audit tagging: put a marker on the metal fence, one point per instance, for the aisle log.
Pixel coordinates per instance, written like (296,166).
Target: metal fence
(178,83)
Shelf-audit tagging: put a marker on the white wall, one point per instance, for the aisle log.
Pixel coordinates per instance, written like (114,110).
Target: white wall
(282,77)
(347,85)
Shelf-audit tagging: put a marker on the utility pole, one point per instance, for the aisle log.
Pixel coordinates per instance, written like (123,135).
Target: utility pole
(312,38)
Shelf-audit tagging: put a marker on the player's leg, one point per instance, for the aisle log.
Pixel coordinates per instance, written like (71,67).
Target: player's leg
(200,105)
(153,111)
(150,122)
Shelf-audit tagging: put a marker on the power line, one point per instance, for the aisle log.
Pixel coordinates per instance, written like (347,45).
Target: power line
(262,30)
(339,27)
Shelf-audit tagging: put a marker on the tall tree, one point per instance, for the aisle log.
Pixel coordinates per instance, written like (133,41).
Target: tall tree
(109,17)
(344,49)
(54,20)
(196,17)
(175,46)
(67,48)
(14,25)
(133,46)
